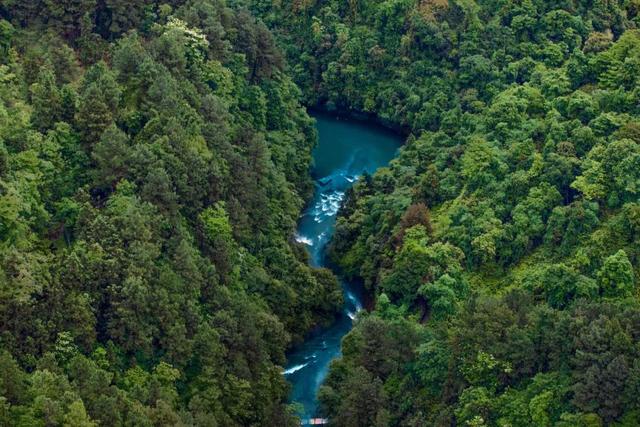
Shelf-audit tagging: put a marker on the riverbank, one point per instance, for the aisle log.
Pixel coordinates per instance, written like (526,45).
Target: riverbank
(362,117)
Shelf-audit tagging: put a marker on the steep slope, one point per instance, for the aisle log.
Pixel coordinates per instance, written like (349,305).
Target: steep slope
(153,164)
(502,244)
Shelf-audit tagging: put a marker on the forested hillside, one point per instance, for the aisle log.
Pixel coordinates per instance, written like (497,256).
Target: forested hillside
(153,163)
(503,245)
(154,159)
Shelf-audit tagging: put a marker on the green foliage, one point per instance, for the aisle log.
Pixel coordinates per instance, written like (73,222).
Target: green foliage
(77,416)
(154,160)
(153,163)
(616,277)
(523,144)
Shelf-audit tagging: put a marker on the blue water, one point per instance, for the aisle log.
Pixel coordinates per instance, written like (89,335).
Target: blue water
(346,150)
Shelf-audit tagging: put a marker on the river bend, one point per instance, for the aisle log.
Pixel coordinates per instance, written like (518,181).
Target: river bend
(346,149)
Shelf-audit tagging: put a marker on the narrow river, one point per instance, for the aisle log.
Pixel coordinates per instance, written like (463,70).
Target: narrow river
(346,150)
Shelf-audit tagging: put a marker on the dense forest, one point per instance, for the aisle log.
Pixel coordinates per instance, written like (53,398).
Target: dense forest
(503,244)
(154,160)
(153,163)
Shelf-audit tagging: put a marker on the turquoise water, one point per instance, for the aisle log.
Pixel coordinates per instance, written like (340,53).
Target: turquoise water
(346,150)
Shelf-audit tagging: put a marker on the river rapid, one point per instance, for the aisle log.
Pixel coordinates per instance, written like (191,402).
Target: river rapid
(346,149)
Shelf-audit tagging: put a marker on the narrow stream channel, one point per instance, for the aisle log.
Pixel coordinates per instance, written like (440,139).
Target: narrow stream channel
(346,150)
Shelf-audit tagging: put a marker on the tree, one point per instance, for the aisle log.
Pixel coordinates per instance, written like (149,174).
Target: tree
(417,264)
(13,384)
(481,165)
(76,416)
(6,34)
(364,403)
(602,369)
(567,224)
(99,100)
(111,156)
(93,116)
(416,214)
(616,277)
(530,216)
(475,407)
(560,285)
(217,231)
(46,99)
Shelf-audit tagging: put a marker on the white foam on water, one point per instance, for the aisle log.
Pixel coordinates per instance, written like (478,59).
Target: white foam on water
(302,239)
(330,203)
(295,368)
(352,298)
(327,206)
